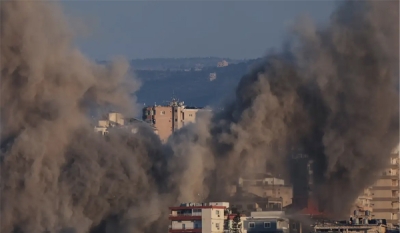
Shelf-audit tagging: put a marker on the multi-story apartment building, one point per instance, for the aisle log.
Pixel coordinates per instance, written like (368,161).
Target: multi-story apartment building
(198,217)
(168,119)
(385,201)
(161,118)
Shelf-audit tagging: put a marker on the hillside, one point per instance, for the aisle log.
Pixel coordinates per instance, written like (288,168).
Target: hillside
(178,63)
(193,87)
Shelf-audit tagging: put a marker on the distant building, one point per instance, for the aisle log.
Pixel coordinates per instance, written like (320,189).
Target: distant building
(168,119)
(114,119)
(385,192)
(222,63)
(212,76)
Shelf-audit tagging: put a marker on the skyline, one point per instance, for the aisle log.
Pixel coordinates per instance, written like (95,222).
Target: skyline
(147,29)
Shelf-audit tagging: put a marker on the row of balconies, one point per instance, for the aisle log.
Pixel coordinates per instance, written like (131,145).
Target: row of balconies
(186,214)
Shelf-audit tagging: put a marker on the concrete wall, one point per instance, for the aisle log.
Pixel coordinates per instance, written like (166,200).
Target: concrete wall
(175,225)
(189,116)
(183,116)
(162,116)
(212,220)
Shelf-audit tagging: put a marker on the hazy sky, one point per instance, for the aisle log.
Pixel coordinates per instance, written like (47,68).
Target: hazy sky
(148,29)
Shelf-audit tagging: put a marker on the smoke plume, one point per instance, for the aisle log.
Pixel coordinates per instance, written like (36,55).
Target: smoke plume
(56,174)
(332,91)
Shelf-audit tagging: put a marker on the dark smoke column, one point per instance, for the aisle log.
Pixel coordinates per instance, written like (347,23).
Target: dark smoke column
(333,92)
(355,113)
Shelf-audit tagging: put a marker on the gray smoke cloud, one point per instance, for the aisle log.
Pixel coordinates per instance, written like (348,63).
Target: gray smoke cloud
(332,91)
(56,174)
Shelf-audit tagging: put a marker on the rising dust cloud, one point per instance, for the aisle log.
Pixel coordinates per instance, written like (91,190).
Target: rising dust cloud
(332,91)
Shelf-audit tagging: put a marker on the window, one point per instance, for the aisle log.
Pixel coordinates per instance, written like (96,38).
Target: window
(294,225)
(252,225)
(217,212)
(267,225)
(394,182)
(190,115)
(217,226)
(183,226)
(176,119)
(162,113)
(197,212)
(395,193)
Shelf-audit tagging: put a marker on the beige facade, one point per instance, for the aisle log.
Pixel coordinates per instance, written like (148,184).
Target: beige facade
(168,119)
(183,116)
(385,192)
(161,118)
(198,217)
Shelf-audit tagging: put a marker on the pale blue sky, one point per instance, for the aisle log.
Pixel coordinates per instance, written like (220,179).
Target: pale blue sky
(149,29)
